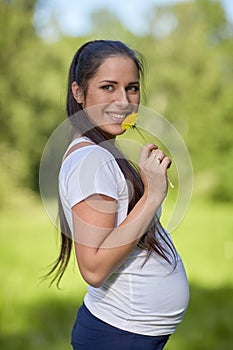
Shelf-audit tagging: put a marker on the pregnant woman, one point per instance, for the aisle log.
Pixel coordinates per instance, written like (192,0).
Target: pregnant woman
(109,211)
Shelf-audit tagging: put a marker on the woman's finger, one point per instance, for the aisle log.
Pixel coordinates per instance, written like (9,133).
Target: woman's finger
(158,155)
(146,151)
(166,163)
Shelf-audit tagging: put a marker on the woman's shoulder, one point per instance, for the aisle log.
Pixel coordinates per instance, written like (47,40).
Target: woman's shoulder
(84,151)
(92,165)
(84,146)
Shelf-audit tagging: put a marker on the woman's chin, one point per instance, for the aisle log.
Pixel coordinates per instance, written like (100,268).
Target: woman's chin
(114,130)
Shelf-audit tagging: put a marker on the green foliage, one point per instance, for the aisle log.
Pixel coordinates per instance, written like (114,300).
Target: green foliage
(189,81)
(33,83)
(192,86)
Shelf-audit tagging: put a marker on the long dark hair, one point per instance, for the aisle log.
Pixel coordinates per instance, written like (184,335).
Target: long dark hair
(83,67)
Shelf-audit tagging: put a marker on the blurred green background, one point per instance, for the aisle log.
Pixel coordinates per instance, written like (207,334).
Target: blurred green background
(189,80)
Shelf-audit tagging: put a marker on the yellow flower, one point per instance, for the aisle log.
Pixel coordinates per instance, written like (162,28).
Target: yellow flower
(130,121)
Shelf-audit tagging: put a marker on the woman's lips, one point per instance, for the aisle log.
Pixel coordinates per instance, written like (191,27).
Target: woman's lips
(116,116)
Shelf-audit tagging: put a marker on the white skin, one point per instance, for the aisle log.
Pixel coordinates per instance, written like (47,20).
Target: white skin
(116,87)
(113,91)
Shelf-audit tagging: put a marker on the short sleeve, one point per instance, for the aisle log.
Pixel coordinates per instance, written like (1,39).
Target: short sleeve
(92,170)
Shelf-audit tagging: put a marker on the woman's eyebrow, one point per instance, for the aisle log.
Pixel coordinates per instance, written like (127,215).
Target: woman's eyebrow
(115,82)
(108,81)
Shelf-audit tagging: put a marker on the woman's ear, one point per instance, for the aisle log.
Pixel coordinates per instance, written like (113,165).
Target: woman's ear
(77,92)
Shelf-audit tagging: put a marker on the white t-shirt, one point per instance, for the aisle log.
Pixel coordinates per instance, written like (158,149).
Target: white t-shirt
(148,299)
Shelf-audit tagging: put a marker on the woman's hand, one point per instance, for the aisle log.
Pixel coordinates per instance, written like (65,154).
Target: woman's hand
(153,168)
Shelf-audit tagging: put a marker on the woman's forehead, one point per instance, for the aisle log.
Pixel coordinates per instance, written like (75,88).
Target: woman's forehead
(118,65)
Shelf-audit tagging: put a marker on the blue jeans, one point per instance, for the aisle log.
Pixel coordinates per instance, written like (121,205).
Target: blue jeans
(90,333)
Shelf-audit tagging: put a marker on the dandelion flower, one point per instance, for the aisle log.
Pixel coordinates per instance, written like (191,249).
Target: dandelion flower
(129,121)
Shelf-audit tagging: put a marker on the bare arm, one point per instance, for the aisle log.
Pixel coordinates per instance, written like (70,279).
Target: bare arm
(100,247)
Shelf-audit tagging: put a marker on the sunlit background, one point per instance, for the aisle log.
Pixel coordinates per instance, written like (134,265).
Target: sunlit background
(188,49)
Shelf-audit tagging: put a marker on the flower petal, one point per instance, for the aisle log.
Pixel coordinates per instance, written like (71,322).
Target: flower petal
(129,121)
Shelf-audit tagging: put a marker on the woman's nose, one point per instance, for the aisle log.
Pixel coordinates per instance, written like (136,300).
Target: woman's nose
(121,99)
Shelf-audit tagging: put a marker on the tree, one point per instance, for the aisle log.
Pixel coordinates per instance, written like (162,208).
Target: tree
(191,83)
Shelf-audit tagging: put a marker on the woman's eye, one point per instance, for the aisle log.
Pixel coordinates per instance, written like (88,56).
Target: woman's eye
(107,87)
(133,88)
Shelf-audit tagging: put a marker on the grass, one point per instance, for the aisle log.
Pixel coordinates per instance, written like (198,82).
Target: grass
(36,317)
(205,242)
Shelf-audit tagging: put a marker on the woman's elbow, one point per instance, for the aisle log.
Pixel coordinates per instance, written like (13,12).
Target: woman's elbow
(93,279)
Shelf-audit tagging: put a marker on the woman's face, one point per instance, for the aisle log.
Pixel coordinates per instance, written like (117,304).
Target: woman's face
(114,90)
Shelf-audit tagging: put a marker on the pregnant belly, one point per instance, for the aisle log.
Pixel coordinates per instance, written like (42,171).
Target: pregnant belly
(157,288)
(149,299)
(167,294)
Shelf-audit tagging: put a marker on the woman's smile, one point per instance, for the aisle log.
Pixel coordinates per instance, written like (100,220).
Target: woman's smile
(118,117)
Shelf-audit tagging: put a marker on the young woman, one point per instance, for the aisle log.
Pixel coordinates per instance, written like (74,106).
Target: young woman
(137,286)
